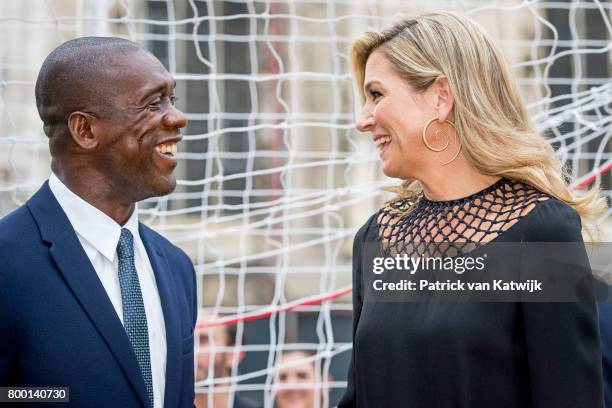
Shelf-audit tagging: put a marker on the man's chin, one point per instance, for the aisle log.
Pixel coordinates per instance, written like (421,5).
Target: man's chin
(201,375)
(164,186)
(170,186)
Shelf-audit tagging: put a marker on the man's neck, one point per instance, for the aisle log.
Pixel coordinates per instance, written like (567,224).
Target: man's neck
(96,190)
(218,399)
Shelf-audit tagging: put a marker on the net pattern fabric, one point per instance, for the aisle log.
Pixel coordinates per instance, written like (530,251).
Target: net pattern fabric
(422,227)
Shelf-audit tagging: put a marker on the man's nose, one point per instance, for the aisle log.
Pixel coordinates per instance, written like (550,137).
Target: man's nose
(365,122)
(175,118)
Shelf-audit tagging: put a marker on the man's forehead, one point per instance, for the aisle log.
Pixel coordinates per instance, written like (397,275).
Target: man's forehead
(305,368)
(141,72)
(216,334)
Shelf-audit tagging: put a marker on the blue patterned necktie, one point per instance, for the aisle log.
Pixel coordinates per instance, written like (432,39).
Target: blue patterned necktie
(134,317)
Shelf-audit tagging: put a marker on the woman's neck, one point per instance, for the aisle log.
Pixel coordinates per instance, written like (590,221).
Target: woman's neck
(457,180)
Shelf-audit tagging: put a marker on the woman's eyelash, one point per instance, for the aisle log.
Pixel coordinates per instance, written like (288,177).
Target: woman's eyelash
(375,94)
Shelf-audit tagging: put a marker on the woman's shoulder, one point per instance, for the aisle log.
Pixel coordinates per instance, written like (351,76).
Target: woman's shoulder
(387,216)
(367,228)
(515,209)
(552,220)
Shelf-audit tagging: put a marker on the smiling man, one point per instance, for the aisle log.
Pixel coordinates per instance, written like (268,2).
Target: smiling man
(91,299)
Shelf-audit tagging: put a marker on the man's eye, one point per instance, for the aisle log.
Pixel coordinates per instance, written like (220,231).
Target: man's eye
(156,104)
(173,99)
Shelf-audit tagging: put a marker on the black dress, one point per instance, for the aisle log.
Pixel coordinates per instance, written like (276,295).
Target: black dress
(468,354)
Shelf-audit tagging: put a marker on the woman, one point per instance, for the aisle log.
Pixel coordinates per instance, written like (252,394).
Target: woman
(440,103)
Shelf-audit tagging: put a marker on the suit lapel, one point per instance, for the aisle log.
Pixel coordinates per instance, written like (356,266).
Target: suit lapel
(82,279)
(167,295)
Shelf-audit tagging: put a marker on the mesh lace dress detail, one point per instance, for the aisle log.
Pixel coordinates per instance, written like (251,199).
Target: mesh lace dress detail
(422,227)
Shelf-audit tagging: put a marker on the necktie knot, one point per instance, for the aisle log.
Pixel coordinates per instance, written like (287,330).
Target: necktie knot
(125,246)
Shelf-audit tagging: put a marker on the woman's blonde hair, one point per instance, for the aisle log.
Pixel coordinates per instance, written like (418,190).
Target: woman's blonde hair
(496,133)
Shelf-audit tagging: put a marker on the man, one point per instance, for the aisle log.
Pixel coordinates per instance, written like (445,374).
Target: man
(90,298)
(298,385)
(216,355)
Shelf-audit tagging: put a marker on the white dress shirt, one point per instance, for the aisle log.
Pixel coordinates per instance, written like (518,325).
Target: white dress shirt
(99,235)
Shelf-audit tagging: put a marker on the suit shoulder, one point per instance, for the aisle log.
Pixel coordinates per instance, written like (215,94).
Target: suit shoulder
(15,224)
(15,218)
(553,220)
(20,242)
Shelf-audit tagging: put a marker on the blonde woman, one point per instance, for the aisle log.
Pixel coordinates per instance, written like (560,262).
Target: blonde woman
(445,114)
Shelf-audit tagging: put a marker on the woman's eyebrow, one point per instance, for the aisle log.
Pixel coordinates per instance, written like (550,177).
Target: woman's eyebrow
(368,85)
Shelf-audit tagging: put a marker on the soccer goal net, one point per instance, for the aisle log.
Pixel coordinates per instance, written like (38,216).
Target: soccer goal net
(273,178)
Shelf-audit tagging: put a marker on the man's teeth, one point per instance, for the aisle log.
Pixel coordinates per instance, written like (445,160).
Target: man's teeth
(382,140)
(166,148)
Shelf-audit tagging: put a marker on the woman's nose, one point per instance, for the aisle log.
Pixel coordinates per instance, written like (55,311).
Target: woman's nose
(365,121)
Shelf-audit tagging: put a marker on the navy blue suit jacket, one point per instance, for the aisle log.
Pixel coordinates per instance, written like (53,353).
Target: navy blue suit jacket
(59,328)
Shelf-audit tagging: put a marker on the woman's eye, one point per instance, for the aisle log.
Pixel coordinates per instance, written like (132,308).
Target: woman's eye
(375,94)
(173,99)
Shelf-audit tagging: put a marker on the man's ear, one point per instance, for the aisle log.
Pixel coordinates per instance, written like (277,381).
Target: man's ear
(228,358)
(327,384)
(444,95)
(241,356)
(80,128)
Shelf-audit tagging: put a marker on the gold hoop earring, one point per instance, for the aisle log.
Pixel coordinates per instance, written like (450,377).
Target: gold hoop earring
(455,156)
(440,149)
(430,147)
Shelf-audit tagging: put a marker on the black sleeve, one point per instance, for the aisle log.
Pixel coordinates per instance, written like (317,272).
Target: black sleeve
(605,327)
(349,398)
(562,338)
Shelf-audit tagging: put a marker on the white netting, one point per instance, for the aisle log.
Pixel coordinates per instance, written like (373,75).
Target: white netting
(274,180)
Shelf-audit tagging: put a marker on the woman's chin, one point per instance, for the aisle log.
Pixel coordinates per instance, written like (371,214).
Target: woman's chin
(390,171)
(399,170)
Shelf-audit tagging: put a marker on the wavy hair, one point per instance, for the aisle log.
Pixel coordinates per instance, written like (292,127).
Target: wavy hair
(488,112)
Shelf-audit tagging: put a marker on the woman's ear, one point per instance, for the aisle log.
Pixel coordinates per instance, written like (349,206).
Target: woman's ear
(80,128)
(444,95)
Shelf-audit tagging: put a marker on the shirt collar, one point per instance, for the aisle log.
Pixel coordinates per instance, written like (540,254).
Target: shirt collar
(97,228)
